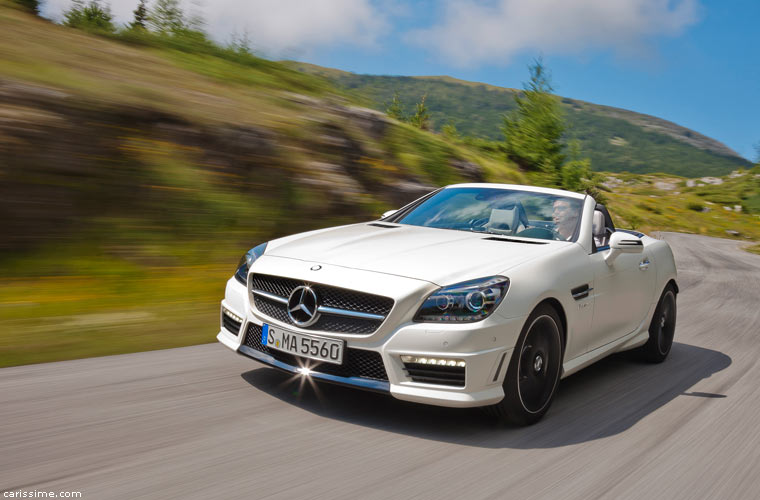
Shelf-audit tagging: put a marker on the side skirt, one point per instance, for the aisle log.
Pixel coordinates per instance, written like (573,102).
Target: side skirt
(630,341)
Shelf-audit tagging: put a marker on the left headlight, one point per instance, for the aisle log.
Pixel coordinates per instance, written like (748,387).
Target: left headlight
(246,260)
(464,302)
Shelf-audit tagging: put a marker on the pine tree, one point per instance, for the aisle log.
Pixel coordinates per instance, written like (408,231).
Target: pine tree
(166,17)
(195,21)
(30,5)
(396,110)
(241,43)
(421,118)
(92,16)
(450,131)
(140,15)
(534,130)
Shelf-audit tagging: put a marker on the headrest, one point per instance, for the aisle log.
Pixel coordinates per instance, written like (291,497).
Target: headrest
(501,216)
(598,223)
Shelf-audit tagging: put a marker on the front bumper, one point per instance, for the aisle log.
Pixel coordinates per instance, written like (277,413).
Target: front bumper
(486,347)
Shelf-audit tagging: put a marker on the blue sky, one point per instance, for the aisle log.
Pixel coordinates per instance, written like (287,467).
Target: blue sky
(694,62)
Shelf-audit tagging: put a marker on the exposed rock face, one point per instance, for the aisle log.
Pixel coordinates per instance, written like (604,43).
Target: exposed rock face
(408,191)
(469,170)
(712,180)
(65,163)
(331,179)
(665,185)
(370,121)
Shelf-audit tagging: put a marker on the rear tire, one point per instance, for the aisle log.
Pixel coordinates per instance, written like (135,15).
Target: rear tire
(662,328)
(534,370)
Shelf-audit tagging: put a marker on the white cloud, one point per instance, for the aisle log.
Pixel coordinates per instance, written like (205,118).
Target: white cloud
(297,26)
(472,32)
(276,27)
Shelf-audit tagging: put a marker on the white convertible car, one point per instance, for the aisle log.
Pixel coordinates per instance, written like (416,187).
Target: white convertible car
(474,295)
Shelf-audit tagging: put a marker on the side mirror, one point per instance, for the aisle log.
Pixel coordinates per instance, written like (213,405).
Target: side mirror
(388,214)
(621,242)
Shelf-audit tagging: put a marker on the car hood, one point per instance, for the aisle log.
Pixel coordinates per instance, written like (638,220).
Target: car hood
(440,256)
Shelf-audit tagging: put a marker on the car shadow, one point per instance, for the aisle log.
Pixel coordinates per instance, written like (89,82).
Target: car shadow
(602,400)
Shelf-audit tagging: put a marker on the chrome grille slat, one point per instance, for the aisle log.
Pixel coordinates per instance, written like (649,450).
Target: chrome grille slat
(270,296)
(350,314)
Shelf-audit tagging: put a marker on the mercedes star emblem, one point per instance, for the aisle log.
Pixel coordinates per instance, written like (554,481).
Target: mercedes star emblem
(316,268)
(302,306)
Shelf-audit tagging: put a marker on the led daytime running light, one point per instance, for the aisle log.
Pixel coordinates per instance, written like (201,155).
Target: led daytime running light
(232,315)
(425,360)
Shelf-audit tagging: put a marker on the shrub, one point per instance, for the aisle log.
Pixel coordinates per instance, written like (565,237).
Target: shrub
(696,206)
(30,5)
(89,17)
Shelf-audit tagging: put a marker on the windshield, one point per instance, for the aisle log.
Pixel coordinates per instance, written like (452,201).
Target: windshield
(499,211)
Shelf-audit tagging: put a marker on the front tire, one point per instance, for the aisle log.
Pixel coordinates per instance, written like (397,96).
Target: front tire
(534,370)
(662,328)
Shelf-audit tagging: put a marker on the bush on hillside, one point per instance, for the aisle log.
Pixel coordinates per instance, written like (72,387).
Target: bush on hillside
(92,16)
(696,206)
(30,5)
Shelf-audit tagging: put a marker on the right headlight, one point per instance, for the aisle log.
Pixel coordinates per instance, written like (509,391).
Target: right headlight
(246,260)
(464,302)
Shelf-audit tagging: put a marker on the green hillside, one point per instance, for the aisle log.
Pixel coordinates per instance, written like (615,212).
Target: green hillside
(616,140)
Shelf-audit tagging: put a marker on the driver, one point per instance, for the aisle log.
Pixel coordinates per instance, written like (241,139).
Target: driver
(565,218)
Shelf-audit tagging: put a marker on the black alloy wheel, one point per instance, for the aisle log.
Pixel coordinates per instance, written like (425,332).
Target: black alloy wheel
(537,367)
(534,369)
(662,328)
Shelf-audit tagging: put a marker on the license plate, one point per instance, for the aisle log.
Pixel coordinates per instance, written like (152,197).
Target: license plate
(307,346)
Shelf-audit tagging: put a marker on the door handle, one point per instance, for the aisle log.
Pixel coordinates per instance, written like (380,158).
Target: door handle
(644,264)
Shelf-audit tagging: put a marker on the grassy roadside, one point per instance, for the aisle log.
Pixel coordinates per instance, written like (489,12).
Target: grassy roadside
(753,249)
(66,317)
(662,202)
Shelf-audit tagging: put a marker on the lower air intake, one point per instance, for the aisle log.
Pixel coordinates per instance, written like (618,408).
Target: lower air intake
(230,324)
(434,374)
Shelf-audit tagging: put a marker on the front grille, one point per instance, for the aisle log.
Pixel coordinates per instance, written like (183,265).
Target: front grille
(434,374)
(356,362)
(274,284)
(329,296)
(272,309)
(340,298)
(232,325)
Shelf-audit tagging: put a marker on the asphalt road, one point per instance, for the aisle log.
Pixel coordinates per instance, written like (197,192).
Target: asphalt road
(202,422)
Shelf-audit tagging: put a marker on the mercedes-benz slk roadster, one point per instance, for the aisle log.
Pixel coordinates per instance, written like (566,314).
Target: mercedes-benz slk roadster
(474,295)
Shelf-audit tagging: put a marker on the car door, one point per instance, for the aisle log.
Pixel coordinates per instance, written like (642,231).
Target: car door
(622,294)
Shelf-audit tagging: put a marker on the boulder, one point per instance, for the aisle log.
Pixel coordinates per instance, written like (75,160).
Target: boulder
(467,169)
